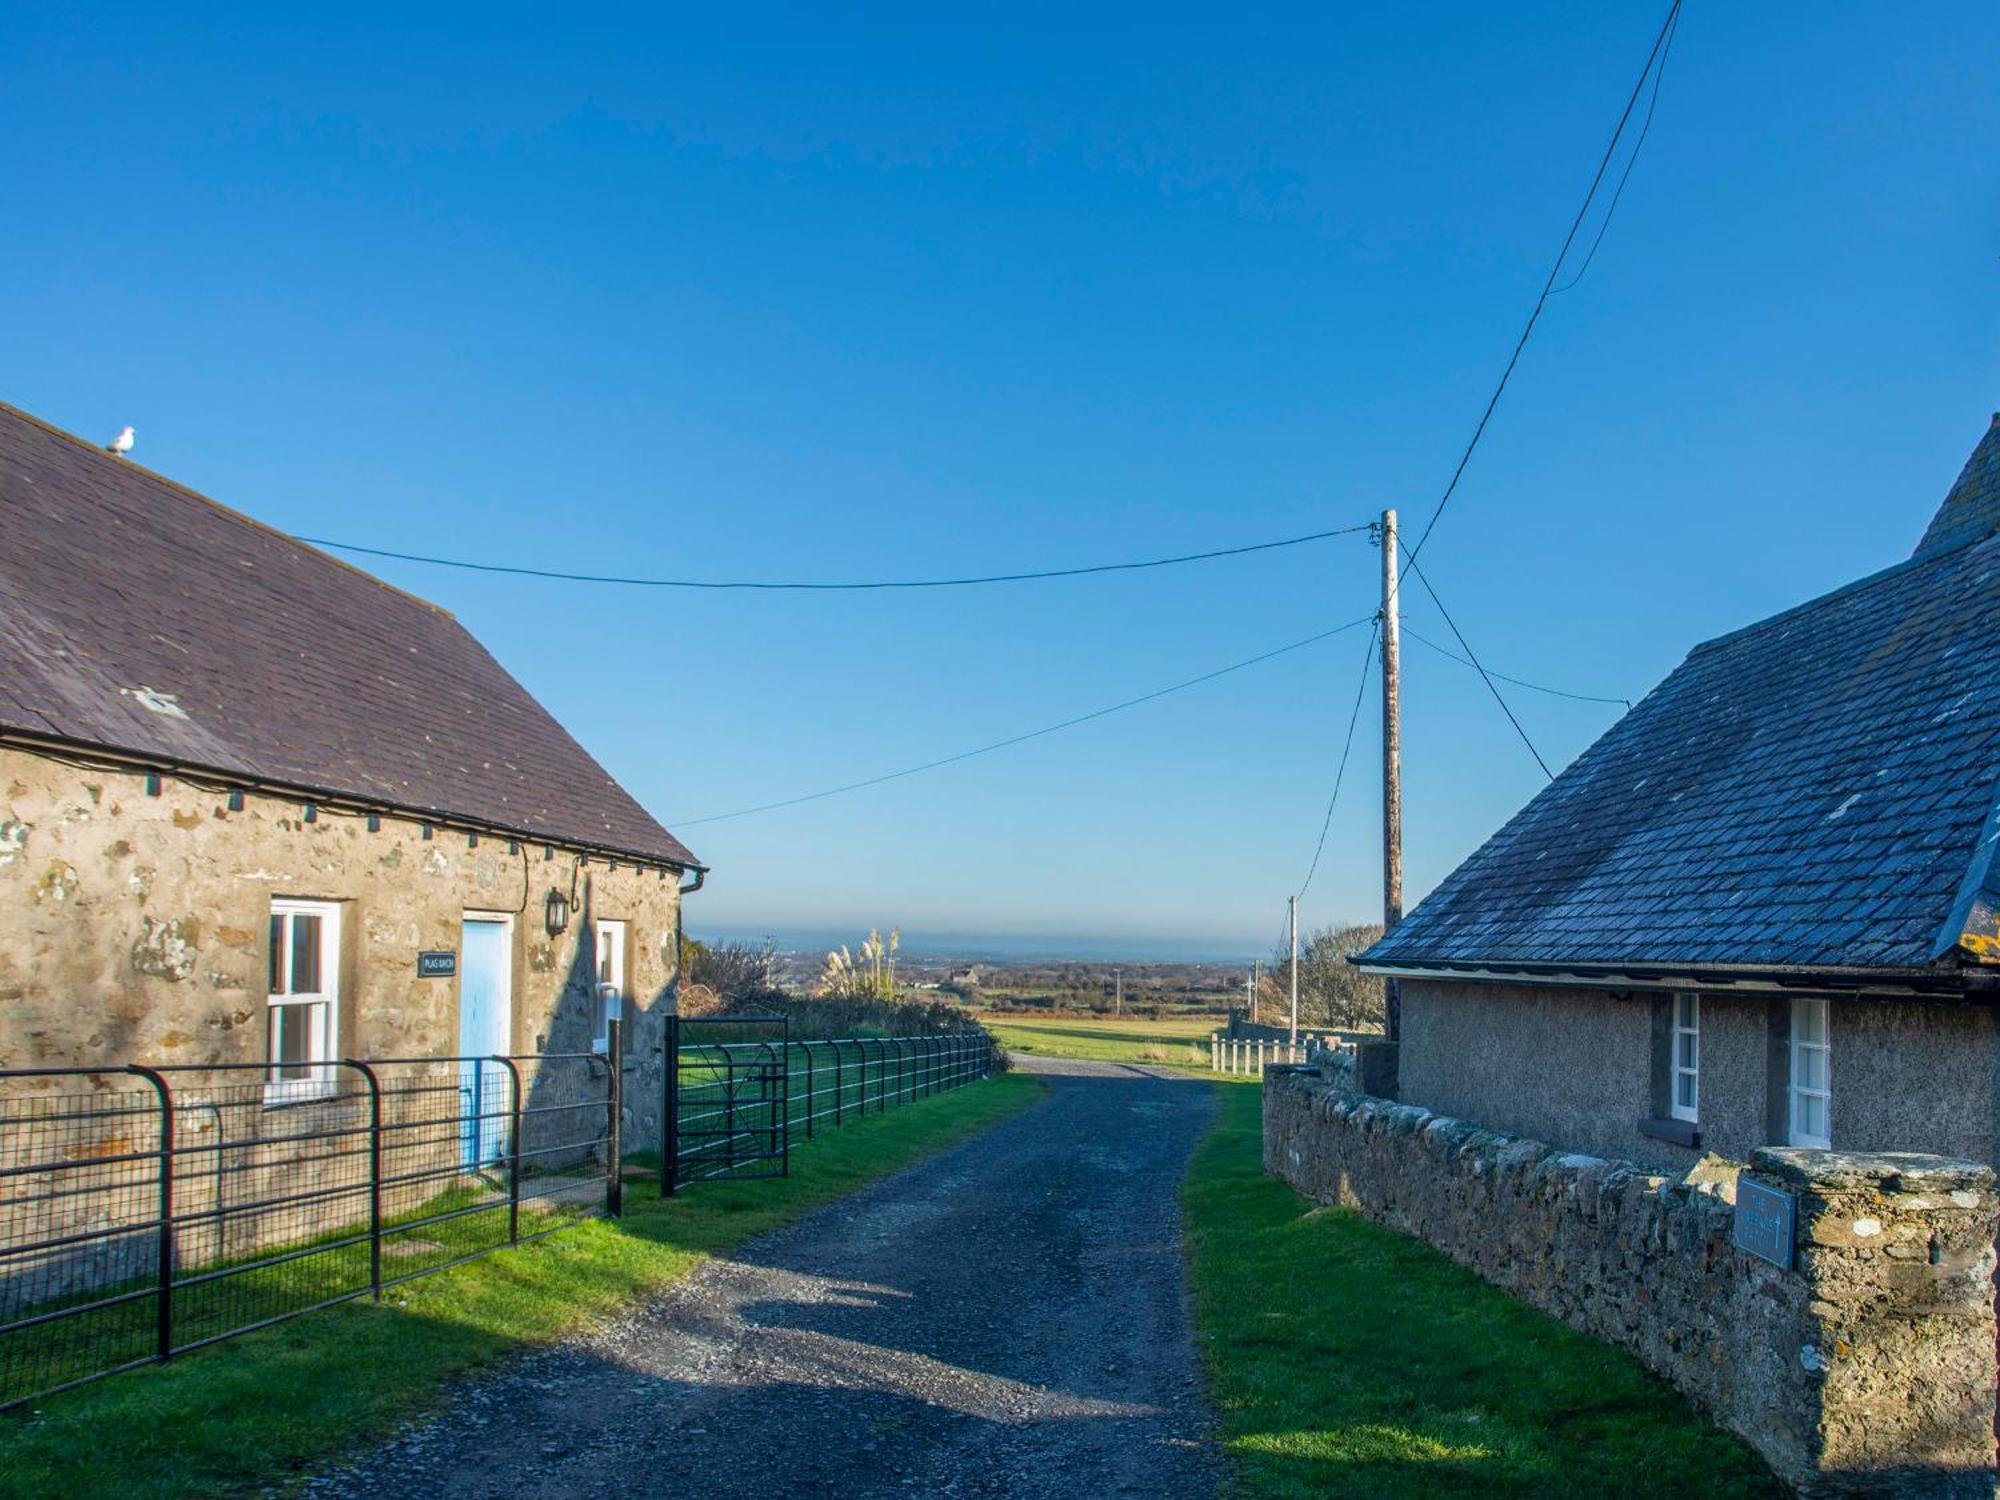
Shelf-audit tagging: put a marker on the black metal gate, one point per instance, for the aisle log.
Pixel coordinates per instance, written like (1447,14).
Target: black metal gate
(728,1098)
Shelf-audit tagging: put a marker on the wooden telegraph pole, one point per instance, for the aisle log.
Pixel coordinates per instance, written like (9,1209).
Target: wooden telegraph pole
(1392,762)
(1294,905)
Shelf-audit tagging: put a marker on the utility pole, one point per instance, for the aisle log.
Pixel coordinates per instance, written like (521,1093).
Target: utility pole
(1293,902)
(1392,763)
(1118,999)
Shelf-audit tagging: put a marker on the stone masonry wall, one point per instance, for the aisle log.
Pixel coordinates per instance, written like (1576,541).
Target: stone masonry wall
(1575,1066)
(1868,1368)
(134,928)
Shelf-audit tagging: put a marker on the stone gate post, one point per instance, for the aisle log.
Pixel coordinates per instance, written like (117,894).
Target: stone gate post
(1889,1354)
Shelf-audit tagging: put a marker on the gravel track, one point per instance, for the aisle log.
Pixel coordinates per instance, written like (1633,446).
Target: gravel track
(1004,1318)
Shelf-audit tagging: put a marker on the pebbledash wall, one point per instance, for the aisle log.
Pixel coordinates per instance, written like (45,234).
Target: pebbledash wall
(135,927)
(1866,1368)
(1577,1066)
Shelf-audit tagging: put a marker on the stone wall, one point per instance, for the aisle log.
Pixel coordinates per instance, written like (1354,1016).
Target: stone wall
(1867,1368)
(1575,1066)
(134,927)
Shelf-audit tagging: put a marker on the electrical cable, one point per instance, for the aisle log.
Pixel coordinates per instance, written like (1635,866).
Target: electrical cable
(1657,55)
(1472,659)
(1517,681)
(775,586)
(1548,286)
(932,765)
(1347,749)
(1645,128)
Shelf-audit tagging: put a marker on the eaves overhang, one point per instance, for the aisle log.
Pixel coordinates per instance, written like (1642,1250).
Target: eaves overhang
(1942,982)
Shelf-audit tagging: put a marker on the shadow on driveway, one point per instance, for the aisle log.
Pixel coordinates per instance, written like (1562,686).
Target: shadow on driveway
(1004,1318)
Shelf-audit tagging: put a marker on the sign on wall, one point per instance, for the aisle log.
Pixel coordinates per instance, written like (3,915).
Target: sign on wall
(1764,1222)
(437,964)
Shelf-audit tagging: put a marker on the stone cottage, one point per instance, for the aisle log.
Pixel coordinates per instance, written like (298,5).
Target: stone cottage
(1764,908)
(1759,920)
(257,806)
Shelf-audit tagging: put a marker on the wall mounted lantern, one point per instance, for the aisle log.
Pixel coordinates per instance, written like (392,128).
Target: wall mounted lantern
(557,911)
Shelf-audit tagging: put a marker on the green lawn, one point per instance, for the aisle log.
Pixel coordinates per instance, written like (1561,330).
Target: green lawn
(260,1408)
(1179,1042)
(1346,1359)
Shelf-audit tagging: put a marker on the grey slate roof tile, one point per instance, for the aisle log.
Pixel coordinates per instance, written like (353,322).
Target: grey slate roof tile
(292,667)
(1814,790)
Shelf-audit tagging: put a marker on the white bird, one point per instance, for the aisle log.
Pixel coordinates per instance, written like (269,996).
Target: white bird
(122,444)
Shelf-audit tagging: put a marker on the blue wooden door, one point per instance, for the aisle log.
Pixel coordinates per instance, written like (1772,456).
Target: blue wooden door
(485,1028)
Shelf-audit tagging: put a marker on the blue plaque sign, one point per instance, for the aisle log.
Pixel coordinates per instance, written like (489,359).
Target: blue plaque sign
(437,965)
(1764,1221)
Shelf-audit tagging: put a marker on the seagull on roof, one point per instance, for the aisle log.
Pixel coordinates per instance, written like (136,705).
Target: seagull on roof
(122,444)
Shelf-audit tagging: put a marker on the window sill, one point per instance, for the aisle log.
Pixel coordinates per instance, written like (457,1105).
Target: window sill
(309,1091)
(1673,1132)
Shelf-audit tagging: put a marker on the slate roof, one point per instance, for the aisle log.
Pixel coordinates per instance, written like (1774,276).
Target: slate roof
(1814,792)
(290,666)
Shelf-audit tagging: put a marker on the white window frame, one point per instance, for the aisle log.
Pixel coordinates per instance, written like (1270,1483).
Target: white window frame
(320,1080)
(609,937)
(1797,1048)
(1686,1024)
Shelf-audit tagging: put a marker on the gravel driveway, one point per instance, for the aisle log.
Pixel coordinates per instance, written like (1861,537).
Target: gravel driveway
(1004,1318)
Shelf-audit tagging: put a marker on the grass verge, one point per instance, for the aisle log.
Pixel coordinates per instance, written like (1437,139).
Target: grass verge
(259,1409)
(1181,1042)
(1346,1359)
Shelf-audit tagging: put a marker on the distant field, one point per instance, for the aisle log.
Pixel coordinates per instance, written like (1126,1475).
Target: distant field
(1177,1042)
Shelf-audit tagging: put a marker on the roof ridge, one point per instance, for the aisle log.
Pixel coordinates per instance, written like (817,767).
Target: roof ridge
(1964,497)
(1852,586)
(126,464)
(1971,508)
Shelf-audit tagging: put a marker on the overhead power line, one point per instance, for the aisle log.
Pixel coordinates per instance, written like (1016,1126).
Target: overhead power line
(947,760)
(774,586)
(1472,660)
(1347,749)
(1631,161)
(1517,681)
(1657,55)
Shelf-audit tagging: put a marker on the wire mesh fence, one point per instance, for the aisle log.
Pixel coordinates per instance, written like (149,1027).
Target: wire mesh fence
(739,1089)
(149,1211)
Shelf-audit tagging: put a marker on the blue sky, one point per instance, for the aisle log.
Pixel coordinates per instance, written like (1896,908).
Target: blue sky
(899,293)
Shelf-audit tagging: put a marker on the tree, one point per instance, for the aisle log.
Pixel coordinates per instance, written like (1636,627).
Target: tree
(738,973)
(1332,992)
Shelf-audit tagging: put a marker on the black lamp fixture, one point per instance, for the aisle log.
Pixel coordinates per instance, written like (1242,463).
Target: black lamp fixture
(556,911)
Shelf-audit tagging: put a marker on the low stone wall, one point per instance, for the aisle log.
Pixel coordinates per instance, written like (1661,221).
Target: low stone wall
(1866,1368)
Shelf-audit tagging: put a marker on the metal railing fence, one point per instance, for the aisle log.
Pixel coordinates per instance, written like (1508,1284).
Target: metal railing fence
(733,1107)
(148,1211)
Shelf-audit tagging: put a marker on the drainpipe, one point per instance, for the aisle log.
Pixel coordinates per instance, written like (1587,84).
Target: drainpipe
(700,873)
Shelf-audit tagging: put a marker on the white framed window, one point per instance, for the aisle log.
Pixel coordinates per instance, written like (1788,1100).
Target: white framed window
(1809,1090)
(304,996)
(609,996)
(1684,1082)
